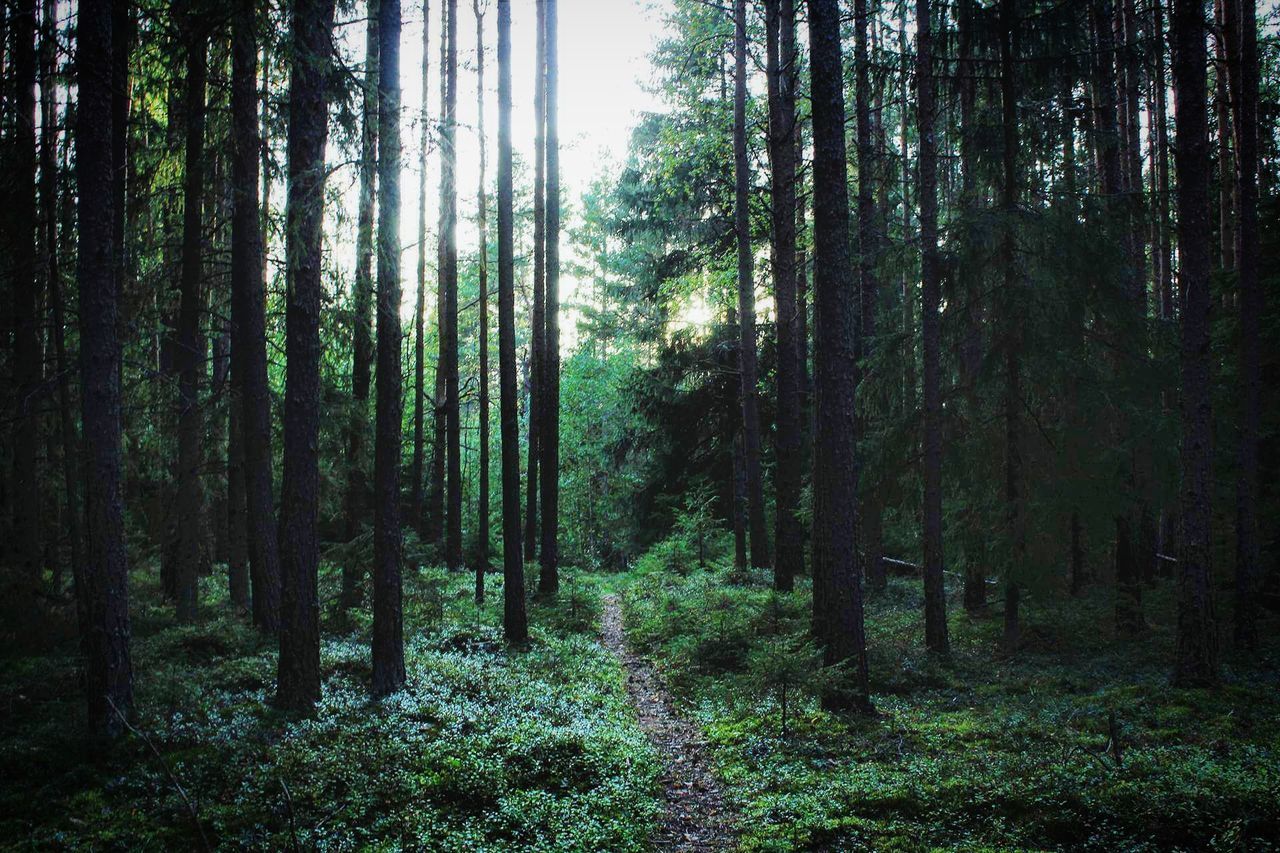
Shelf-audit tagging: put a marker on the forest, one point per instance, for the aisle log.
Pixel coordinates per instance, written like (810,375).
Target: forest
(876,449)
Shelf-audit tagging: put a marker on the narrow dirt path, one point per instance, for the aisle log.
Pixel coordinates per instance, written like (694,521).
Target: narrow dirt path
(697,818)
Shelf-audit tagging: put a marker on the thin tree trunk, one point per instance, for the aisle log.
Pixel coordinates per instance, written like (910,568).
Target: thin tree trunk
(549,434)
(388,612)
(514,621)
(248,323)
(191,348)
(436,489)
(538,323)
(482,208)
(1196,661)
(780,15)
(1165,253)
(935,600)
(449,278)
(299,669)
(416,516)
(105,631)
(757,534)
(835,368)
(1226,162)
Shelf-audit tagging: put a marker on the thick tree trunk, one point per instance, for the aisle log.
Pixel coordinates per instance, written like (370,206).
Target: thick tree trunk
(1226,158)
(1165,253)
(1196,661)
(191,349)
(835,373)
(482,208)
(388,612)
(756,531)
(549,434)
(514,621)
(416,501)
(298,687)
(935,597)
(105,578)
(1242,45)
(357,484)
(248,322)
(781,62)
(237,510)
(538,323)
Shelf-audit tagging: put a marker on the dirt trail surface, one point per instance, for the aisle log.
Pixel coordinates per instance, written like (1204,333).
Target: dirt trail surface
(697,818)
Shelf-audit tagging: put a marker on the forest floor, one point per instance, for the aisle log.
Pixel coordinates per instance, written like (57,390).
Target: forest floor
(696,817)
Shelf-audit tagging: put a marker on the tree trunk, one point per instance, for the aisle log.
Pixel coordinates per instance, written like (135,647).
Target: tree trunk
(416,517)
(388,615)
(549,434)
(1196,661)
(191,349)
(449,280)
(514,621)
(1165,253)
(1226,162)
(1242,44)
(298,687)
(482,208)
(935,598)
(357,484)
(835,372)
(248,323)
(104,592)
(538,323)
(757,534)
(436,488)
(780,15)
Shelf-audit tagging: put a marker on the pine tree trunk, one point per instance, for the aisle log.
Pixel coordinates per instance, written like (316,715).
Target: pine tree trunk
(549,434)
(104,592)
(248,323)
(191,349)
(298,686)
(388,615)
(538,322)
(514,621)
(482,208)
(1196,661)
(416,502)
(449,279)
(1226,162)
(835,373)
(935,600)
(756,532)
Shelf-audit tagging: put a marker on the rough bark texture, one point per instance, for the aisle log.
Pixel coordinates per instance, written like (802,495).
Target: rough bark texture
(298,687)
(388,615)
(835,374)
(514,620)
(549,435)
(756,531)
(781,62)
(1196,660)
(1242,54)
(538,324)
(191,349)
(935,597)
(248,324)
(105,626)
(482,207)
(449,279)
(357,486)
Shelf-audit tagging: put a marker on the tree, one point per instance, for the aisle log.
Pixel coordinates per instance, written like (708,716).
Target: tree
(1240,17)
(449,281)
(388,616)
(248,324)
(781,70)
(190,351)
(538,320)
(298,687)
(759,538)
(935,597)
(837,586)
(105,610)
(1196,661)
(354,500)
(482,207)
(549,435)
(416,495)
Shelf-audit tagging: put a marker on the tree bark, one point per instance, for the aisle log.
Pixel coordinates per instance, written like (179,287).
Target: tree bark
(781,62)
(416,516)
(756,532)
(105,629)
(1196,661)
(538,322)
(514,621)
(449,281)
(935,597)
(482,207)
(388,612)
(835,374)
(549,434)
(298,687)
(248,322)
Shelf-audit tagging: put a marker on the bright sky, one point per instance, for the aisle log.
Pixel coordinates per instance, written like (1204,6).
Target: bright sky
(604,71)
